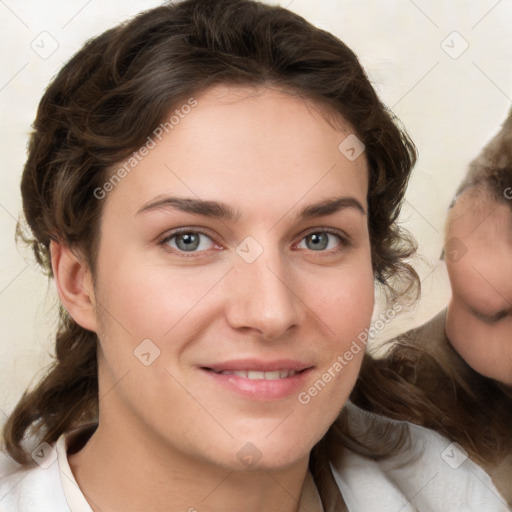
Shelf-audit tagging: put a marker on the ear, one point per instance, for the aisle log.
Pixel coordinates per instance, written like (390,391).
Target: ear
(74,285)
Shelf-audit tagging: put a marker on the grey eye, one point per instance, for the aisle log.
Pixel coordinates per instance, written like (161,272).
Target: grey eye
(320,241)
(189,241)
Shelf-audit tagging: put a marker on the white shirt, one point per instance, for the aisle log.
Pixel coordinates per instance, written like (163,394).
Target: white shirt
(432,475)
(437,478)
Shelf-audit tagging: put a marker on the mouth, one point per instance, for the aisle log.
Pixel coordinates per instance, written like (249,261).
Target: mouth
(257,380)
(259,375)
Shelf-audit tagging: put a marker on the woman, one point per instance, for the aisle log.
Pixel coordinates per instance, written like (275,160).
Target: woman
(210,184)
(456,370)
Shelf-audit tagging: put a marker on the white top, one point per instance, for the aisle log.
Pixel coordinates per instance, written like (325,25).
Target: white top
(438,477)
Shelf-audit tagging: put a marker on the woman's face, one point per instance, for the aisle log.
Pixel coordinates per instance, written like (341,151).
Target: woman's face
(233,270)
(479,320)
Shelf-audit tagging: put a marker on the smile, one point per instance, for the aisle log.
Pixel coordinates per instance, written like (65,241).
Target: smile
(259,380)
(258,375)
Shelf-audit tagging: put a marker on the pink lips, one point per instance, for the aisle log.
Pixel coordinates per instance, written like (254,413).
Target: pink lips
(260,380)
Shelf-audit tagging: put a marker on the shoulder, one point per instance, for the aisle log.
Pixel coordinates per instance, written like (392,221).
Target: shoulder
(428,474)
(37,488)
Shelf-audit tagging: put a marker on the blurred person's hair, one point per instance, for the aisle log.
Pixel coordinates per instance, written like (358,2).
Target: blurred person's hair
(491,170)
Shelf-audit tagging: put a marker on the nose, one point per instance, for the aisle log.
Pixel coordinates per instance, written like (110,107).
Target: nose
(261,297)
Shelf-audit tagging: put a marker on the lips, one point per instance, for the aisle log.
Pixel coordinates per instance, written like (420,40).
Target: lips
(260,380)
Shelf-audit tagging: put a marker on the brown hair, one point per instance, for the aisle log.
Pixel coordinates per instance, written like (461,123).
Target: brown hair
(112,94)
(435,386)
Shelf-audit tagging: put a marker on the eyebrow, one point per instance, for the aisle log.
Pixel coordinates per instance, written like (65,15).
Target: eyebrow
(223,211)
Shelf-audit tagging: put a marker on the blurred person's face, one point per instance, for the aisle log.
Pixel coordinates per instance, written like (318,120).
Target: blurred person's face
(479,261)
(246,311)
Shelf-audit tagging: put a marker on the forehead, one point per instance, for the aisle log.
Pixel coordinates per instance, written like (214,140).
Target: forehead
(248,146)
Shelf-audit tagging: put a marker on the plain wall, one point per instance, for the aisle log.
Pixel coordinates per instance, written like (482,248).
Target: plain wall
(450,100)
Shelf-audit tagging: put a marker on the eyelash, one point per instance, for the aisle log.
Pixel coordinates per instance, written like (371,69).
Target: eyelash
(344,241)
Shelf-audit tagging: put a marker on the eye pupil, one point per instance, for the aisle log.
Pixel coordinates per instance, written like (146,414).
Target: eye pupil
(319,240)
(187,241)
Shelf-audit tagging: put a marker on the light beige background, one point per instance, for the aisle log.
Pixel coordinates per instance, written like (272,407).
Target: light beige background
(451,106)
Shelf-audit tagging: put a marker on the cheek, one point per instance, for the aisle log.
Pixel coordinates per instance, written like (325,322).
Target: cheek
(149,301)
(345,308)
(348,301)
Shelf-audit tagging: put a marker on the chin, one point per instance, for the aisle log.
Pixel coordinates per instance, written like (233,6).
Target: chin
(262,454)
(266,460)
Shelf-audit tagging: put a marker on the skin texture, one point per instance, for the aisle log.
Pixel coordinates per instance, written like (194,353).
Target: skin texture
(479,319)
(168,432)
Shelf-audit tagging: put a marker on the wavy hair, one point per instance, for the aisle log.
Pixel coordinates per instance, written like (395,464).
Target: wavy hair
(111,95)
